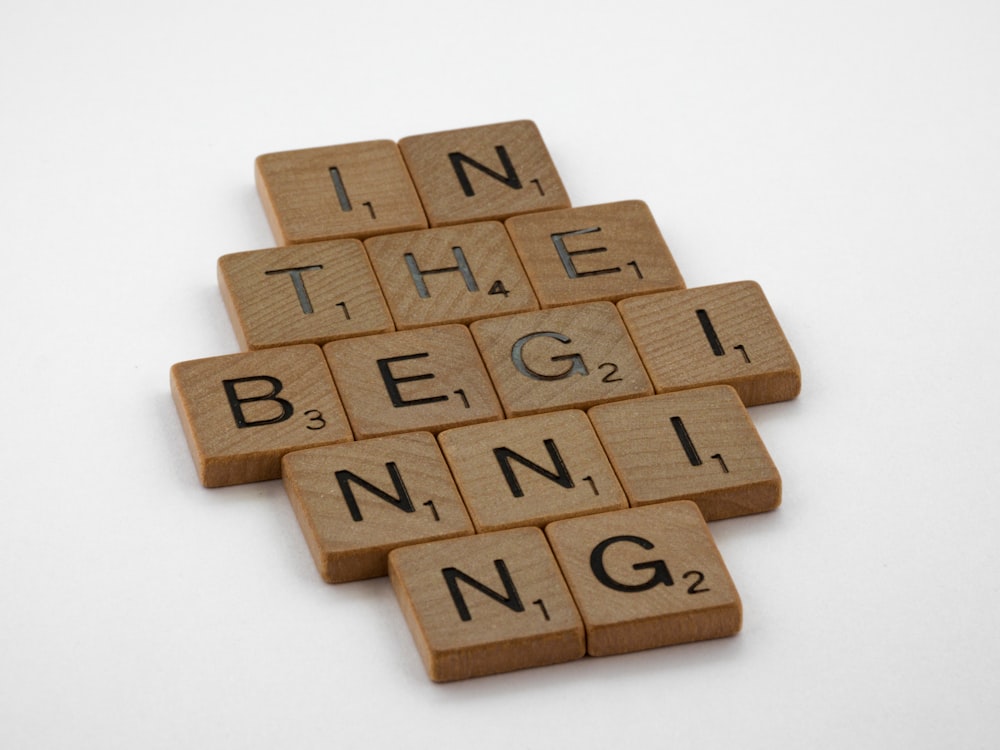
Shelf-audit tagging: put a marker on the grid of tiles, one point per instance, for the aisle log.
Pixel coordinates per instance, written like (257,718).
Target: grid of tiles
(513,407)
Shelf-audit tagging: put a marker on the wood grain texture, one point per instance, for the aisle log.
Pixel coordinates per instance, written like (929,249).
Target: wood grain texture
(524,618)
(605,252)
(357,501)
(310,293)
(242,412)
(646,577)
(697,445)
(561,358)
(451,274)
(483,173)
(426,379)
(722,334)
(531,470)
(332,192)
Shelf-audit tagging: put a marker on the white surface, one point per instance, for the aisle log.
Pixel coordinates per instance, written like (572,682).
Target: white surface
(846,156)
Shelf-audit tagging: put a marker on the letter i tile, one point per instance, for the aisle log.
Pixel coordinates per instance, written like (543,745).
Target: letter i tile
(485,604)
(242,412)
(697,445)
(646,577)
(712,335)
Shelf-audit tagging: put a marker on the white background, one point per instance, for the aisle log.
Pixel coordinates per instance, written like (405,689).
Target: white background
(845,155)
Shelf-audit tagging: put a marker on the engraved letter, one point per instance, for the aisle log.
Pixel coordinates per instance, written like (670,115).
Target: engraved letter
(236,403)
(660,572)
(453,575)
(401,499)
(517,355)
(392,382)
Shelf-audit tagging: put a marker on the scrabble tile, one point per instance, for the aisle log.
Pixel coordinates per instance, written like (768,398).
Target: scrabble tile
(714,334)
(605,252)
(311,293)
(242,412)
(451,274)
(486,604)
(357,501)
(531,470)
(332,192)
(426,379)
(563,358)
(646,577)
(485,172)
(698,445)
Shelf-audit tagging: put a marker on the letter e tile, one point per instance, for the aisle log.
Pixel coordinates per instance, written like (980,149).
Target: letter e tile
(242,412)
(606,252)
(646,577)
(485,604)
(425,379)
(357,501)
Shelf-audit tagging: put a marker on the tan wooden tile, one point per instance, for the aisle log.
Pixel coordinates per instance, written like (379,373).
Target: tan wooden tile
(332,192)
(486,604)
(531,470)
(646,577)
(605,252)
(242,412)
(714,334)
(562,358)
(357,501)
(698,445)
(451,274)
(484,172)
(311,293)
(425,379)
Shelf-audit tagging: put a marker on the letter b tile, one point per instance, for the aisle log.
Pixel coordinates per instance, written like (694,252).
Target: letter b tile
(242,412)
(646,577)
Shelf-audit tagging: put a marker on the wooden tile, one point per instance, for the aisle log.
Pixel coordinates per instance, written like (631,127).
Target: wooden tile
(332,192)
(563,358)
(485,172)
(425,379)
(450,274)
(698,445)
(311,293)
(531,470)
(357,501)
(242,412)
(605,252)
(646,577)
(486,604)
(714,334)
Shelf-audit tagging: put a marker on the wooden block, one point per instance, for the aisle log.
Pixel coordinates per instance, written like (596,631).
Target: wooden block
(357,501)
(714,334)
(605,252)
(531,470)
(426,379)
(450,274)
(646,577)
(486,604)
(563,358)
(242,412)
(311,293)
(485,172)
(332,192)
(698,445)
